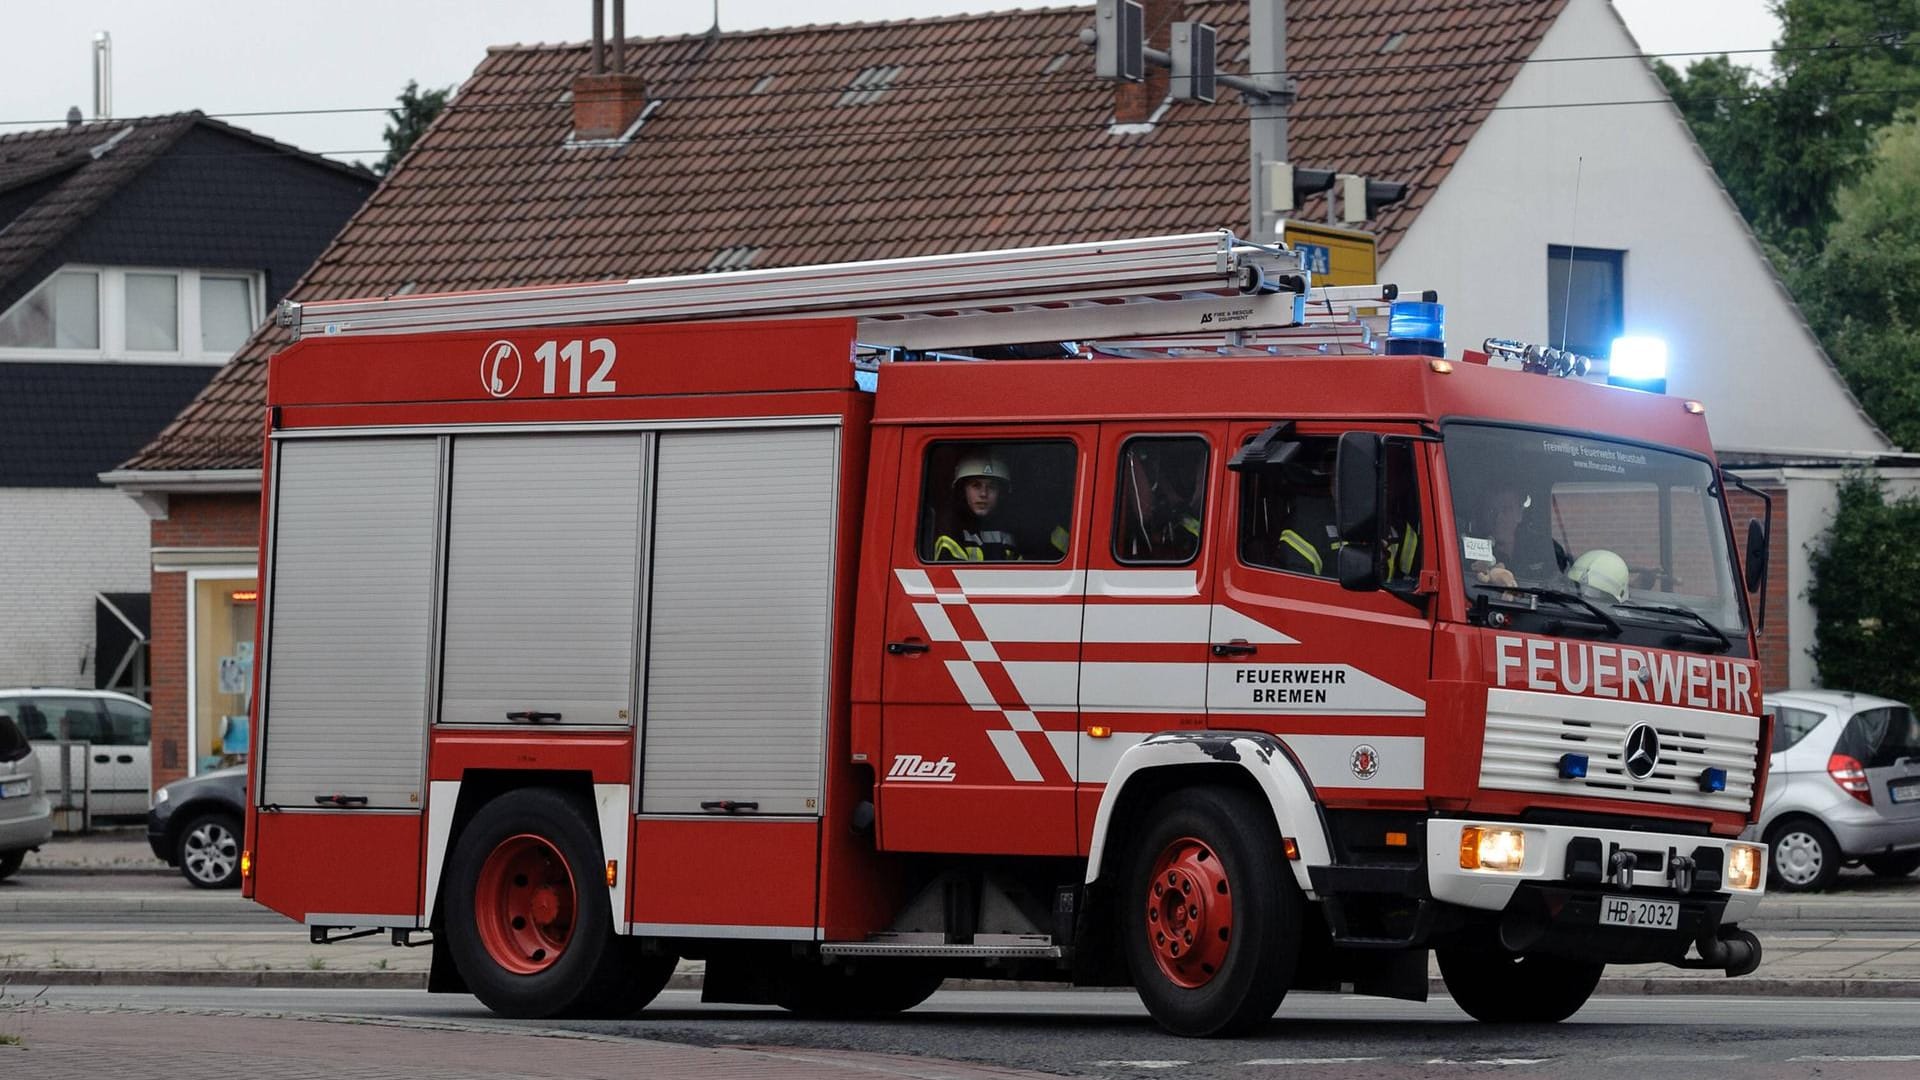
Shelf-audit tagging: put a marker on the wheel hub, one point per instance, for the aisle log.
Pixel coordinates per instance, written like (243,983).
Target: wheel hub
(1798,857)
(524,904)
(1189,915)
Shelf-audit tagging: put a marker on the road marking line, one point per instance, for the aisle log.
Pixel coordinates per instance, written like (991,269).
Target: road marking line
(1309,1061)
(1488,1061)
(1136,1064)
(1856,1057)
(1678,1057)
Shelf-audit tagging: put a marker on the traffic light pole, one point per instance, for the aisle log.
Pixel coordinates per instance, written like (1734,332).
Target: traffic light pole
(1267,115)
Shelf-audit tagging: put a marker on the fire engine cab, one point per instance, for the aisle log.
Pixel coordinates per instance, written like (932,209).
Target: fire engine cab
(818,624)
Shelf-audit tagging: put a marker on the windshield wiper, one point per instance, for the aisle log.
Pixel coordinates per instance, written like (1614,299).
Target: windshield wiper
(1718,635)
(1561,595)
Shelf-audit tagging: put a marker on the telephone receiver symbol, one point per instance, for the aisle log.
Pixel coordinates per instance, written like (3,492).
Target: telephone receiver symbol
(503,352)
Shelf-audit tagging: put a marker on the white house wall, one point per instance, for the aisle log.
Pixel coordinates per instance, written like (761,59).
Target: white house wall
(1693,272)
(59,546)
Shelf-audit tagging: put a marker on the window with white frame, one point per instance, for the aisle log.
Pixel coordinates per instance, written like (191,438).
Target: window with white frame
(126,313)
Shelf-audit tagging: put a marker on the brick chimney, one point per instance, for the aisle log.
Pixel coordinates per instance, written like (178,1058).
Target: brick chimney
(607,100)
(1133,103)
(606,105)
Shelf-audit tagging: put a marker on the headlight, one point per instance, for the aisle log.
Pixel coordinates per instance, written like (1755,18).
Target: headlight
(1743,866)
(161,796)
(1483,847)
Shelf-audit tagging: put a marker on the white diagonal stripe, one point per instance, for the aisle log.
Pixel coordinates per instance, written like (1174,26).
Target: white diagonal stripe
(1045,686)
(1021,720)
(981,652)
(1014,753)
(1019,582)
(1143,583)
(915,582)
(934,618)
(972,687)
(1066,747)
(1007,623)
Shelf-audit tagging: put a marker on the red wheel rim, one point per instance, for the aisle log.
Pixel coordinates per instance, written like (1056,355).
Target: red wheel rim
(525,905)
(1189,916)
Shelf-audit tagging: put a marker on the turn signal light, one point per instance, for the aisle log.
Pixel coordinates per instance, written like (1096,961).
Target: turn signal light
(246,864)
(1099,731)
(1851,776)
(613,872)
(1483,847)
(1290,848)
(1743,867)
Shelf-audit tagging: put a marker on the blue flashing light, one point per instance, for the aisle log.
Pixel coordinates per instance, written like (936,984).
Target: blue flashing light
(868,381)
(1638,362)
(1712,780)
(1573,766)
(1416,328)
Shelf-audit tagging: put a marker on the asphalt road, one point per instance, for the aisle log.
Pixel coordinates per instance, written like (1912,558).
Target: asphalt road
(1106,1034)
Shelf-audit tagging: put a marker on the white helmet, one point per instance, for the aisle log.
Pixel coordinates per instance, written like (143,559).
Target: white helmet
(983,465)
(1602,571)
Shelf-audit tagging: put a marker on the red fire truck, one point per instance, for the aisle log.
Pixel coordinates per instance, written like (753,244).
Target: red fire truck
(818,624)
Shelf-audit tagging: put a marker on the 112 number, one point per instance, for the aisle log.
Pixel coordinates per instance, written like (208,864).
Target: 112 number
(553,354)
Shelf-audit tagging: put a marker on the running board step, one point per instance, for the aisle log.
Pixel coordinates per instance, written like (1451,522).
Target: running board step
(950,952)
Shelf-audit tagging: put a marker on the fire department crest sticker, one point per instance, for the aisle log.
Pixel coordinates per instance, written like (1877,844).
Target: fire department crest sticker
(1364,761)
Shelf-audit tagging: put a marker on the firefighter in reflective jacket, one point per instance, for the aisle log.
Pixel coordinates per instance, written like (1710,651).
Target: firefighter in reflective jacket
(980,482)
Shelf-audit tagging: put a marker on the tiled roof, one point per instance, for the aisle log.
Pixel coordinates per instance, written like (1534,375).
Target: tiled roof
(63,424)
(875,140)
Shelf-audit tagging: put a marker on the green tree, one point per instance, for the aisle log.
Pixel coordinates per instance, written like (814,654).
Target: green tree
(1866,587)
(409,121)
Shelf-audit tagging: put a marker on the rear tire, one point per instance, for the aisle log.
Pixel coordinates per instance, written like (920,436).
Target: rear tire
(528,920)
(1211,915)
(208,850)
(1497,987)
(851,992)
(1897,865)
(1802,856)
(10,863)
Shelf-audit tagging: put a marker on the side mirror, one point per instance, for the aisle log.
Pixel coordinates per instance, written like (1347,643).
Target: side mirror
(1359,567)
(1356,488)
(1756,555)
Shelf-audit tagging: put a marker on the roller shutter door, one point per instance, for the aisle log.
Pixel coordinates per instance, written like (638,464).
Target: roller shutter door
(543,536)
(351,608)
(740,619)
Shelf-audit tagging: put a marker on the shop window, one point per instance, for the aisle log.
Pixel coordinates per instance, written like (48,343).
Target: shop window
(997,501)
(221,647)
(1160,500)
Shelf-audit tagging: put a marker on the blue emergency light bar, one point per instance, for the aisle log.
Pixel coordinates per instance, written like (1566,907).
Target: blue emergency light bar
(1639,363)
(1416,328)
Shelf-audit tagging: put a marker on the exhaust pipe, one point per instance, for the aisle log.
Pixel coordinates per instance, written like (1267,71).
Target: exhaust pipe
(1733,950)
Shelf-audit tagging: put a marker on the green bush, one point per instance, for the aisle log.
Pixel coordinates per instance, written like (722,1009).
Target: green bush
(1866,589)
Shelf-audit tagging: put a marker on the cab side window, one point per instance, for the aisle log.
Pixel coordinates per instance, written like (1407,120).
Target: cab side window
(1160,504)
(997,501)
(1287,517)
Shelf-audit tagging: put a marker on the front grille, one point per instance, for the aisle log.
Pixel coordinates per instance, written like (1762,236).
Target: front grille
(1527,733)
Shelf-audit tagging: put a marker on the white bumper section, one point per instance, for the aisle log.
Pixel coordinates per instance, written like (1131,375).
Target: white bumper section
(1545,861)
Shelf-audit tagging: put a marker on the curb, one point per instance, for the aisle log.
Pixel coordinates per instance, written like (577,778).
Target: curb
(417,980)
(31,870)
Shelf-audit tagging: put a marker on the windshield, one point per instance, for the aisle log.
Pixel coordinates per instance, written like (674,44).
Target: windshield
(1613,537)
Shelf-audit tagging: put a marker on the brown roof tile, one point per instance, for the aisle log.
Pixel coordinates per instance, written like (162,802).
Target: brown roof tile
(973,144)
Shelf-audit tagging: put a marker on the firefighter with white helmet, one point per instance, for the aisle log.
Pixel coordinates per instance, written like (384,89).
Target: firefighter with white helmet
(1602,571)
(980,484)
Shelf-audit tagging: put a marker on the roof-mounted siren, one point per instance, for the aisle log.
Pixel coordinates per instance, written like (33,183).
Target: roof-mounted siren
(1362,199)
(1417,327)
(1120,40)
(1638,362)
(1193,62)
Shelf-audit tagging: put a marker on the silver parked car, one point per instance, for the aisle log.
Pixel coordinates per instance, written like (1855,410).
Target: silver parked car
(26,817)
(1844,787)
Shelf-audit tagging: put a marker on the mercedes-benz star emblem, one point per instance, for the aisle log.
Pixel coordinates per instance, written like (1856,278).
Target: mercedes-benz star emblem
(1642,751)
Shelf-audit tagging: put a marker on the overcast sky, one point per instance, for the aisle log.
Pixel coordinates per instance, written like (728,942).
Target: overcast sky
(343,61)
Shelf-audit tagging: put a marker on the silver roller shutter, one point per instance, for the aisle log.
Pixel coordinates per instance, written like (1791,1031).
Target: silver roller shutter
(742,589)
(351,599)
(543,537)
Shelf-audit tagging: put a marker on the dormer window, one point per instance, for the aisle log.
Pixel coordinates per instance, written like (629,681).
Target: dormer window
(141,314)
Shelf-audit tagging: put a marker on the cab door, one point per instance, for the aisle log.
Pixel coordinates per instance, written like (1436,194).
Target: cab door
(980,681)
(1150,585)
(1341,676)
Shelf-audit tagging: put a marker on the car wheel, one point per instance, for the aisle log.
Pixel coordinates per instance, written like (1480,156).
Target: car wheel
(209,850)
(9,862)
(1211,917)
(1802,855)
(1897,865)
(1498,987)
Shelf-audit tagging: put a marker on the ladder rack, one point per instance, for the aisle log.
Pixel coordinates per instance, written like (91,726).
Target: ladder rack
(1200,286)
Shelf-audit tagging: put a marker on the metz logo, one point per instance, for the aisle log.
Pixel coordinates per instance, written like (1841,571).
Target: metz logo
(916,768)
(1211,318)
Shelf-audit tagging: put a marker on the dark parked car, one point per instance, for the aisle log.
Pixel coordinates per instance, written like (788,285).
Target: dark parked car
(196,825)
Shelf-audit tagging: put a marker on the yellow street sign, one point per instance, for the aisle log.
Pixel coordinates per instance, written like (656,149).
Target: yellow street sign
(1335,256)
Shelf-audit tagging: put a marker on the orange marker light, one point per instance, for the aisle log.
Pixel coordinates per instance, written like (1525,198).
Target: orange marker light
(1441,367)
(1099,731)
(1290,848)
(1696,408)
(613,872)
(246,864)
(1396,839)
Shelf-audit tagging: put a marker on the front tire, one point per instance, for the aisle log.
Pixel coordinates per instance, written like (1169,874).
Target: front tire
(1498,987)
(1211,916)
(528,918)
(1802,855)
(10,863)
(1897,865)
(209,850)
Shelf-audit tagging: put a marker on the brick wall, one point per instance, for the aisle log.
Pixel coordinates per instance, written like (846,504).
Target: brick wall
(1741,507)
(59,546)
(193,521)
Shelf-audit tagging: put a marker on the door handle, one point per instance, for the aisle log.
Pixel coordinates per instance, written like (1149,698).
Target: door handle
(340,800)
(1236,647)
(532,716)
(728,806)
(904,648)
(125,759)
(99,759)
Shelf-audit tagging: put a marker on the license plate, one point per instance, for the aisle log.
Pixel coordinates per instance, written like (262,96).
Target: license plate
(1652,914)
(16,789)
(1905,792)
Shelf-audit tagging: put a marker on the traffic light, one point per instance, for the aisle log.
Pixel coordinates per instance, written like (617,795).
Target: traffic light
(1362,199)
(1289,185)
(1120,44)
(1193,68)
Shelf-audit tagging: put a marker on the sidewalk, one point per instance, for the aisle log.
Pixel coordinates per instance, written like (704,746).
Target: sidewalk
(116,850)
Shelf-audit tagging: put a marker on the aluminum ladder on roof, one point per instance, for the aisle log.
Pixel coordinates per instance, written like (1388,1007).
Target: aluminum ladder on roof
(1207,285)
